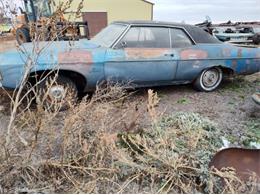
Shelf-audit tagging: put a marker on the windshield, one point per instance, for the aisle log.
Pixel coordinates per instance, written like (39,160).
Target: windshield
(109,34)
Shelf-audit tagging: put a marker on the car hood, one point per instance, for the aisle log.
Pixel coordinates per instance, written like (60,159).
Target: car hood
(44,52)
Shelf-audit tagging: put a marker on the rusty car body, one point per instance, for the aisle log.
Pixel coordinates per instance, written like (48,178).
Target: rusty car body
(144,53)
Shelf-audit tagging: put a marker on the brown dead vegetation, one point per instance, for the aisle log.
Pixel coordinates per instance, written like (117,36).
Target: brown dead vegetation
(100,146)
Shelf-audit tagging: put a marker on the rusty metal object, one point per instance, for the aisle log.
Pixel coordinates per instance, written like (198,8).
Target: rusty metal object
(256,98)
(244,161)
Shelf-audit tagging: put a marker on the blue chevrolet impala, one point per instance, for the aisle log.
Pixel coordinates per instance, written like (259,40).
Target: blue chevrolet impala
(143,53)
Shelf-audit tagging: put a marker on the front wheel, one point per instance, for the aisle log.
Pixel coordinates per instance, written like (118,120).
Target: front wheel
(57,93)
(209,79)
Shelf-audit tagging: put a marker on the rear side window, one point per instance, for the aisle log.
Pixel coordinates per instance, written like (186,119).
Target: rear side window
(146,37)
(180,39)
(201,36)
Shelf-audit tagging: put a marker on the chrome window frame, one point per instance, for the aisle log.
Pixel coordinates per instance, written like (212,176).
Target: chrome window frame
(185,32)
(170,34)
(114,43)
(113,46)
(126,29)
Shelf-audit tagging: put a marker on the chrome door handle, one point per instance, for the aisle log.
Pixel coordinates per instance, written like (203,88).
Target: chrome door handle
(169,54)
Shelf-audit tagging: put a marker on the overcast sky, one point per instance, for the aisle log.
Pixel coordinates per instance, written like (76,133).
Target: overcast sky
(194,11)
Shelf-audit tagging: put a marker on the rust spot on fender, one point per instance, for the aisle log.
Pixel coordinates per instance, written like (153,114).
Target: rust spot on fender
(226,52)
(146,53)
(75,57)
(193,54)
(239,53)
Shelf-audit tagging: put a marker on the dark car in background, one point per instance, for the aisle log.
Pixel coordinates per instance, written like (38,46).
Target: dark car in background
(256,37)
(238,33)
(234,34)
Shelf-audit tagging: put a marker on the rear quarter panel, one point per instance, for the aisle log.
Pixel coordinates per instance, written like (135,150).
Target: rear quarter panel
(195,59)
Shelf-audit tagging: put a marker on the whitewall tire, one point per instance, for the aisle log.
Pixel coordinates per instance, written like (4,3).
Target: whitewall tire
(209,79)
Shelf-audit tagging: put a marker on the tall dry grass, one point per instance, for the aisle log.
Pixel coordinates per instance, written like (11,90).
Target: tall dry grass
(30,56)
(100,146)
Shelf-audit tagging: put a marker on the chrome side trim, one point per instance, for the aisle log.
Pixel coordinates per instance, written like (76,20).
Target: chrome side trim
(120,37)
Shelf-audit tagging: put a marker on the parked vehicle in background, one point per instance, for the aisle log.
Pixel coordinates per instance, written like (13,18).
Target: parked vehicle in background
(143,53)
(233,34)
(256,37)
(206,25)
(36,17)
(5,28)
(239,32)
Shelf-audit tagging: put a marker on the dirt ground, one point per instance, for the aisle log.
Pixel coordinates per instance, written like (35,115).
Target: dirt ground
(230,107)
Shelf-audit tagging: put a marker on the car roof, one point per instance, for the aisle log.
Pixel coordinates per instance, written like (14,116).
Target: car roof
(147,22)
(198,35)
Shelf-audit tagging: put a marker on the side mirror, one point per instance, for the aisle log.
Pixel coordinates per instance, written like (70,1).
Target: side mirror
(121,45)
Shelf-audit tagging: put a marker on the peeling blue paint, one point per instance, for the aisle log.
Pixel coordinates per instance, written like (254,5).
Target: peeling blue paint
(143,66)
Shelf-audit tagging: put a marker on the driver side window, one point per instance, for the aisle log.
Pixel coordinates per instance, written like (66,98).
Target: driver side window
(146,37)
(131,38)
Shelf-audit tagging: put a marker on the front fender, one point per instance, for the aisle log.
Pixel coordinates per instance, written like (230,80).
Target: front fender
(88,63)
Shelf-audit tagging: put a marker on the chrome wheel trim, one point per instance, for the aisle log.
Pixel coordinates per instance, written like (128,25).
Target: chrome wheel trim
(211,78)
(57,93)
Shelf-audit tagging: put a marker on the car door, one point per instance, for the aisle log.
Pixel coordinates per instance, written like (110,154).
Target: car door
(189,55)
(143,56)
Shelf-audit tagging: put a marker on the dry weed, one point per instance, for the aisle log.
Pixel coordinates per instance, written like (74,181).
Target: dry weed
(88,149)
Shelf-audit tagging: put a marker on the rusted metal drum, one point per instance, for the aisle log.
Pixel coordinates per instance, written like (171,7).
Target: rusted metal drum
(244,161)
(256,98)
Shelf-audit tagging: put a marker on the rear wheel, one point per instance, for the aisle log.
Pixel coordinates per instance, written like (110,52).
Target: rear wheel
(57,93)
(22,35)
(209,79)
